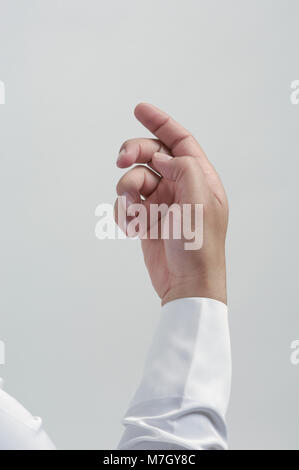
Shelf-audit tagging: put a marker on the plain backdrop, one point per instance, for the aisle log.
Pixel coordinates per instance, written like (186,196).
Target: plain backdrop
(77,314)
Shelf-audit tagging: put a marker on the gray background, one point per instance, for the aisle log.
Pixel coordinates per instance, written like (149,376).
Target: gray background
(78,314)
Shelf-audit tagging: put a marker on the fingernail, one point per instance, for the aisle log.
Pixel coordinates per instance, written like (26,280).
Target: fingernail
(121,153)
(162,156)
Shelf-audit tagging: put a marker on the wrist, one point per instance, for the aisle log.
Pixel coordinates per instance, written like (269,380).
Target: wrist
(211,285)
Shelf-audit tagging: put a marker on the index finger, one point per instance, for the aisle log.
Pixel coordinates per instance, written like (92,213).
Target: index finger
(168,131)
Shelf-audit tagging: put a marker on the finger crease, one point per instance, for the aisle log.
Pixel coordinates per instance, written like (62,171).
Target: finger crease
(161,125)
(179,140)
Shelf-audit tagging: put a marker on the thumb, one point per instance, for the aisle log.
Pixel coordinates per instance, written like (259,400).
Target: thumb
(168,166)
(176,168)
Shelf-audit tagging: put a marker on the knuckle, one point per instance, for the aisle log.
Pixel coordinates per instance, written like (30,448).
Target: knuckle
(124,144)
(128,179)
(189,163)
(120,185)
(189,167)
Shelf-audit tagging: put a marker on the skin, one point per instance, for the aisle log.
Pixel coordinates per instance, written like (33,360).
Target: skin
(182,174)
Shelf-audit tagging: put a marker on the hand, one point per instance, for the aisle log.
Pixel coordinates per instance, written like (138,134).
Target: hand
(183,175)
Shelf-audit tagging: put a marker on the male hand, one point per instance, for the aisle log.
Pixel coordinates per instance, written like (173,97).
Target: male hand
(182,175)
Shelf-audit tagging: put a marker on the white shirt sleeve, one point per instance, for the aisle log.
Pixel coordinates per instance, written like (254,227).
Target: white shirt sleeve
(19,430)
(183,396)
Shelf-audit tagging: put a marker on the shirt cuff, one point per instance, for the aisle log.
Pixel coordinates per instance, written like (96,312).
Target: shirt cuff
(190,355)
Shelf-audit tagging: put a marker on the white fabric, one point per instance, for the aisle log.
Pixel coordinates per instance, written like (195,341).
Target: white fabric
(18,429)
(183,396)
